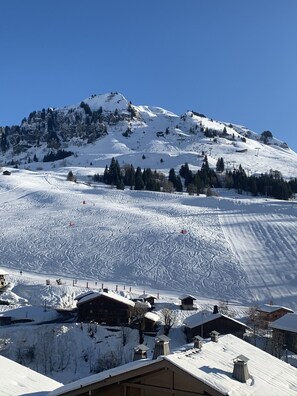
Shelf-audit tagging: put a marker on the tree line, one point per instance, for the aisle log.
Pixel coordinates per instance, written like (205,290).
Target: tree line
(205,180)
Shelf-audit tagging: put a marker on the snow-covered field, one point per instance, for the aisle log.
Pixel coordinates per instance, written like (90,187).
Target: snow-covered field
(236,248)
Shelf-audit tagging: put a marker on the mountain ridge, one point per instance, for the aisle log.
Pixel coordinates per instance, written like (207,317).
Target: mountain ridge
(110,125)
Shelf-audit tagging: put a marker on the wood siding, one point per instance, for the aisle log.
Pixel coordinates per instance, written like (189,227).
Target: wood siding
(272,316)
(222,325)
(104,310)
(161,378)
(187,303)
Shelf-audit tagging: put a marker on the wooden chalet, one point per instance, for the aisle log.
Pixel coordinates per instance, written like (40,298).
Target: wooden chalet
(104,307)
(6,173)
(187,302)
(151,323)
(228,367)
(270,313)
(204,323)
(284,330)
(148,298)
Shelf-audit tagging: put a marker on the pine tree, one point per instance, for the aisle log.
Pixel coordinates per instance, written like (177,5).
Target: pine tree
(178,184)
(106,175)
(120,185)
(184,170)
(70,176)
(139,184)
(129,176)
(220,166)
(172,177)
(4,143)
(114,173)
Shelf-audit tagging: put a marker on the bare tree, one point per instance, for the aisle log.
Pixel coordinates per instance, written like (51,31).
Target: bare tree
(169,318)
(138,313)
(125,332)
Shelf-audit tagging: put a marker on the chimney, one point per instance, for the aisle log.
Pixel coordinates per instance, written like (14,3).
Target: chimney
(240,369)
(140,352)
(214,336)
(161,346)
(198,342)
(105,290)
(215,309)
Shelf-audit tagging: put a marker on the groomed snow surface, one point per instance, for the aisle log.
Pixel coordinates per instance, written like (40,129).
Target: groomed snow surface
(236,248)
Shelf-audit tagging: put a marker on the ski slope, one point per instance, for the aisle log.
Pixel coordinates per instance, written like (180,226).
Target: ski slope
(236,248)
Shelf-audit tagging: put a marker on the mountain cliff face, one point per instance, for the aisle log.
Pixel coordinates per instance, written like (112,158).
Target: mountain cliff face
(110,125)
(56,127)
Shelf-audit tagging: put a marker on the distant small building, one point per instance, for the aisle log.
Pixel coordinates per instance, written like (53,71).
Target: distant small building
(204,323)
(151,321)
(6,173)
(3,275)
(187,301)
(270,313)
(148,298)
(104,307)
(284,330)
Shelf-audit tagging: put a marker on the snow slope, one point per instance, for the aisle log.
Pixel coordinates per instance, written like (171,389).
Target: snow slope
(236,248)
(153,132)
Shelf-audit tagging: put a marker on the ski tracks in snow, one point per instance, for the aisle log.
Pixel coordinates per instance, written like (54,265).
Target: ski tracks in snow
(264,240)
(130,237)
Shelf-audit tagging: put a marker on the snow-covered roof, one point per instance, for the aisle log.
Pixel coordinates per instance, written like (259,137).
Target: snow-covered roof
(272,308)
(183,296)
(111,295)
(141,347)
(17,380)
(152,316)
(145,295)
(213,365)
(143,304)
(80,296)
(163,337)
(92,379)
(2,272)
(206,316)
(287,322)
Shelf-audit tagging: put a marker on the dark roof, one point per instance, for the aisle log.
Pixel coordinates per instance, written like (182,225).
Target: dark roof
(184,296)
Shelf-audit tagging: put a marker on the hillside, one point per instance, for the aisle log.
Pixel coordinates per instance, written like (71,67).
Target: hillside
(235,248)
(108,125)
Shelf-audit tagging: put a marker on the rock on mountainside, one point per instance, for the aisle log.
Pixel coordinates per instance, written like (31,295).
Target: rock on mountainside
(109,125)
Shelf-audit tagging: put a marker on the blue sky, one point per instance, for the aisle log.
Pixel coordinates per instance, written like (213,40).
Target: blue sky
(233,60)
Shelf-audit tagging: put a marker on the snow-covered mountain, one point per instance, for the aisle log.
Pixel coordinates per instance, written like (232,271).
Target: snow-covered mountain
(234,248)
(134,236)
(108,125)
